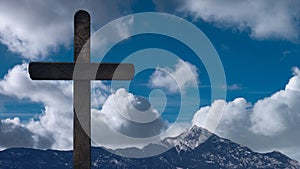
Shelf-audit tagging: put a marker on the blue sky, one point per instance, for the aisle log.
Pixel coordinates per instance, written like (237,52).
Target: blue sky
(258,49)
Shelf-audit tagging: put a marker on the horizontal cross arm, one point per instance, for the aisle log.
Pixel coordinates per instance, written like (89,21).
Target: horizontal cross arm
(80,71)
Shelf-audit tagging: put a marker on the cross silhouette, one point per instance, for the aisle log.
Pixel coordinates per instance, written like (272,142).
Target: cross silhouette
(81,71)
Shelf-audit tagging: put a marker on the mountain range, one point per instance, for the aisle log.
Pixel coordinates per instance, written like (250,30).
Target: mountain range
(194,148)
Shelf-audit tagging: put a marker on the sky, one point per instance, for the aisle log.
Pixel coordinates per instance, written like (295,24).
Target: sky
(255,45)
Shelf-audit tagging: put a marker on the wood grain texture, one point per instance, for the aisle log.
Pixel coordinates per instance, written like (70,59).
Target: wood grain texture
(80,71)
(82,99)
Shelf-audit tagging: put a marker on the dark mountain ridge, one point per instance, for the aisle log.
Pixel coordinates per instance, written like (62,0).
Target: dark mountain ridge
(194,148)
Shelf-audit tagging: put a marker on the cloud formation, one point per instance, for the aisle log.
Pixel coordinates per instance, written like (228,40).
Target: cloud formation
(262,19)
(35,29)
(124,117)
(14,134)
(174,81)
(56,96)
(113,115)
(270,123)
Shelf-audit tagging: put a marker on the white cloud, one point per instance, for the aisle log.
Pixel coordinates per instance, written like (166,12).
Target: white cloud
(113,126)
(56,96)
(33,29)
(174,81)
(294,83)
(269,115)
(122,112)
(127,115)
(233,113)
(14,134)
(263,19)
(99,94)
(270,123)
(280,112)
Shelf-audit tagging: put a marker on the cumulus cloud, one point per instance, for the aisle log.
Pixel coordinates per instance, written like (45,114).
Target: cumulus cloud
(126,114)
(33,29)
(270,123)
(262,19)
(113,115)
(127,120)
(280,112)
(294,83)
(56,118)
(14,134)
(174,81)
(233,113)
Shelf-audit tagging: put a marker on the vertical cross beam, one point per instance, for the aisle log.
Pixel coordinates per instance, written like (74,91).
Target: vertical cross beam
(82,89)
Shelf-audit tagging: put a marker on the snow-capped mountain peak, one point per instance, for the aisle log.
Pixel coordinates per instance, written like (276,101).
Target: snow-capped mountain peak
(189,139)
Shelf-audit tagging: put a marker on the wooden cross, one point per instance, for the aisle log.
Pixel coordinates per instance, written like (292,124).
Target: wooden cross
(81,85)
